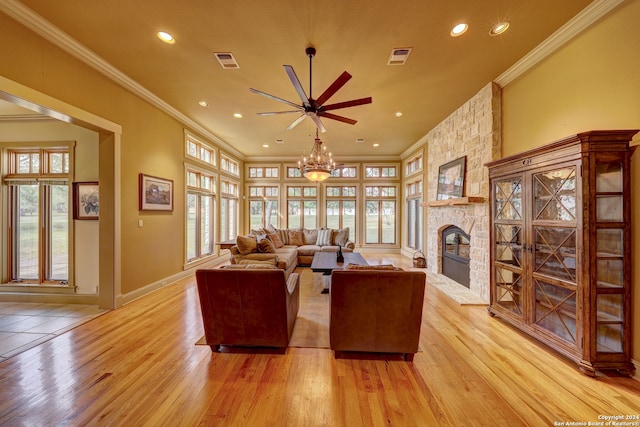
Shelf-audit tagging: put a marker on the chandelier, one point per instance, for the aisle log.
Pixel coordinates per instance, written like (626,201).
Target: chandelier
(319,165)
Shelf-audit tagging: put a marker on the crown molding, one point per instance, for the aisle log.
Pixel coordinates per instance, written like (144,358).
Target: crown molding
(583,20)
(55,35)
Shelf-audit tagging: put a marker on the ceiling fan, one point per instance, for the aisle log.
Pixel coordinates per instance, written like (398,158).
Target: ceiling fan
(314,108)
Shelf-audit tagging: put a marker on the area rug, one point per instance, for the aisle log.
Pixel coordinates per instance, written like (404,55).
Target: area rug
(312,324)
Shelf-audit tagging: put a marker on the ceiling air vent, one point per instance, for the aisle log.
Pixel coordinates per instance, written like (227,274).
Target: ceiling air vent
(226,60)
(399,56)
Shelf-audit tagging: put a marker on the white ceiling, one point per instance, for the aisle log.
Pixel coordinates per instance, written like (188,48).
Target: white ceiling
(350,35)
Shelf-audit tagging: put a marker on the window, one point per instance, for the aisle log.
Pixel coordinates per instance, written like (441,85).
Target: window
(293,172)
(38,220)
(197,149)
(345,172)
(263,206)
(414,215)
(229,166)
(228,210)
(262,172)
(200,214)
(341,208)
(414,165)
(381,171)
(380,205)
(302,207)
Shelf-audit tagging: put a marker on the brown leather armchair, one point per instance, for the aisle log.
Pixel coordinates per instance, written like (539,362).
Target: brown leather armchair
(248,307)
(376,311)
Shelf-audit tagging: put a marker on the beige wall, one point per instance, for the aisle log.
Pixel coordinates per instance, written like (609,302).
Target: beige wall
(151,143)
(591,83)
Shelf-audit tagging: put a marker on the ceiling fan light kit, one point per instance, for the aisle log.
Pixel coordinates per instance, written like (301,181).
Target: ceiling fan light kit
(310,107)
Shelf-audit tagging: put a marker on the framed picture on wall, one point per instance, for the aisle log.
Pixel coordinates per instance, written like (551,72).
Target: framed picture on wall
(451,179)
(155,194)
(86,200)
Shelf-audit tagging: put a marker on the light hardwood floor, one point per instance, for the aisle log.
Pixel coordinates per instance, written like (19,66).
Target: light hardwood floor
(138,365)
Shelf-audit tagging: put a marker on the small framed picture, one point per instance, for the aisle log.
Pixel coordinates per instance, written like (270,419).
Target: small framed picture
(451,179)
(86,200)
(155,194)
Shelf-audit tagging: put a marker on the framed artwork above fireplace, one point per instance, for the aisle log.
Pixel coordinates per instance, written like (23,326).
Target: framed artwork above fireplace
(451,179)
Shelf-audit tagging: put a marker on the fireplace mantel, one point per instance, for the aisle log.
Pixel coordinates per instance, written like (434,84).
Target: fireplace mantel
(468,200)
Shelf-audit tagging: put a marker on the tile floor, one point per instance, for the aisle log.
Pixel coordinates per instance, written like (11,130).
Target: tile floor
(25,325)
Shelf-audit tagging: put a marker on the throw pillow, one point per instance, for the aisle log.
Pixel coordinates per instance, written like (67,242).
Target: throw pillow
(310,236)
(275,239)
(247,244)
(260,234)
(284,236)
(265,245)
(296,237)
(340,237)
(324,237)
(270,229)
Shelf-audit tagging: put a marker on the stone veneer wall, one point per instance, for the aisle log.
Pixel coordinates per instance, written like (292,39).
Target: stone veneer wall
(472,131)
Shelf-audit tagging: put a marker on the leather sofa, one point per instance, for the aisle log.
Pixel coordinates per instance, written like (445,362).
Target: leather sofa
(248,305)
(376,311)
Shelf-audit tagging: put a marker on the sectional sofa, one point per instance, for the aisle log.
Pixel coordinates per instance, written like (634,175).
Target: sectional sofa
(288,248)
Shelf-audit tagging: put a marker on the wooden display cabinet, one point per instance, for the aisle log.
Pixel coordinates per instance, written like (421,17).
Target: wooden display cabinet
(561,246)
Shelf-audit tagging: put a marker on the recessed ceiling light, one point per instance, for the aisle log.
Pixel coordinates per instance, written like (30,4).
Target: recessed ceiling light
(459,30)
(398,114)
(499,28)
(376,145)
(359,140)
(237,115)
(166,37)
(265,145)
(203,103)
(279,141)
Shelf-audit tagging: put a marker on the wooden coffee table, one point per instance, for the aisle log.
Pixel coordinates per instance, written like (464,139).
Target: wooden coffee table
(326,262)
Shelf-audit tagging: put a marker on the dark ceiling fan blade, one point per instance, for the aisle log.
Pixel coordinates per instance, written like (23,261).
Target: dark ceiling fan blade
(296,84)
(338,118)
(275,98)
(347,104)
(317,121)
(335,86)
(273,113)
(296,122)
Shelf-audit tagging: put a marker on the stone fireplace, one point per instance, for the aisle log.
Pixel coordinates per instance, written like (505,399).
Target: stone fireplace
(472,131)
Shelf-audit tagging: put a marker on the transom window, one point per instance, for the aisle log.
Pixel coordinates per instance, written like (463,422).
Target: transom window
(414,165)
(381,171)
(230,166)
(197,149)
(293,172)
(345,172)
(263,172)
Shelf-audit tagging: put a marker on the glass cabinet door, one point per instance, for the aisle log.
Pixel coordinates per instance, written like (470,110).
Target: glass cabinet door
(508,245)
(554,239)
(609,258)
